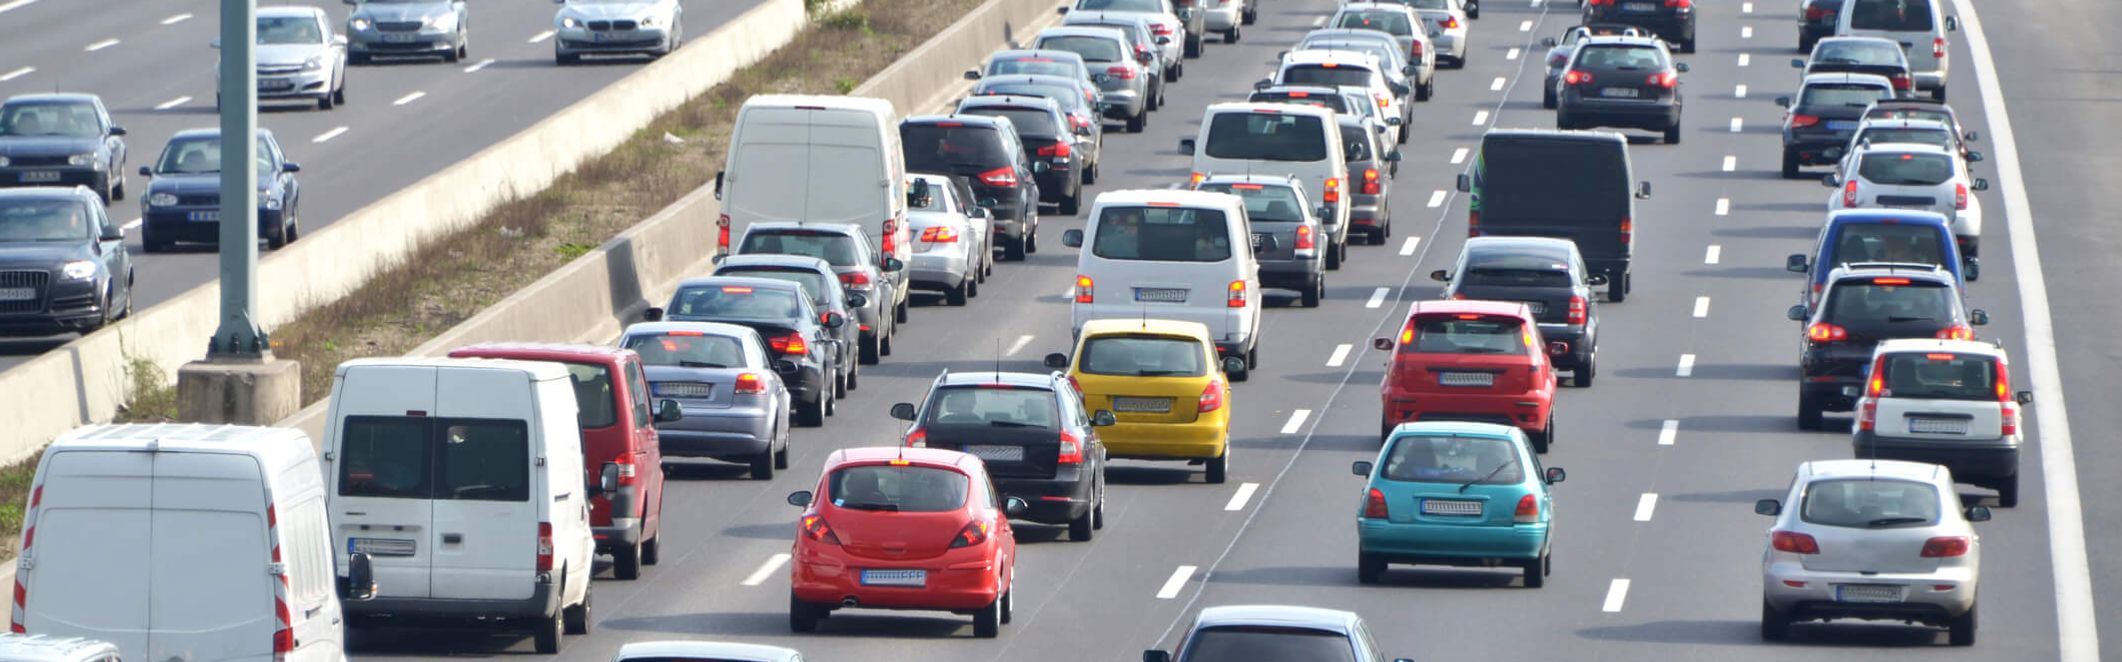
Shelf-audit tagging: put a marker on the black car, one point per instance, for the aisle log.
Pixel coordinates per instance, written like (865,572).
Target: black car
(1044,133)
(1627,82)
(63,263)
(61,140)
(986,150)
(1575,185)
(1078,103)
(1862,306)
(183,201)
(1825,114)
(822,283)
(1549,277)
(1031,430)
(1860,55)
(882,282)
(781,312)
(1816,20)
(1671,20)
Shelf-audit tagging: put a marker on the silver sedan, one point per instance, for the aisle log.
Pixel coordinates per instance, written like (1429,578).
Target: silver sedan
(618,27)
(728,385)
(408,27)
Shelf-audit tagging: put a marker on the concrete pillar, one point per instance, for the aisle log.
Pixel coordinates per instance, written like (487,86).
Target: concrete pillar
(239,390)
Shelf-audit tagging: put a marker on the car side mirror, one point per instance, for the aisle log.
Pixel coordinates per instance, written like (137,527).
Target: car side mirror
(786,367)
(1056,361)
(117,131)
(1797,63)
(1952,24)
(1015,506)
(607,479)
(1978,317)
(1441,276)
(1104,418)
(1795,313)
(972,74)
(903,411)
(1072,238)
(1783,102)
(1233,364)
(799,498)
(1360,468)
(1769,507)
(112,232)
(833,319)
(1186,146)
(146,171)
(1061,10)
(1974,157)
(1796,263)
(1381,343)
(1410,70)
(1556,475)
(2023,397)
(215,44)
(1163,41)
(360,581)
(1595,279)
(1263,83)
(290,166)
(1325,214)
(1981,184)
(1643,190)
(1399,90)
(1681,67)
(1466,183)
(857,299)
(1557,348)
(1978,513)
(1830,181)
(1395,120)
(1972,136)
(652,315)
(894,264)
(1972,267)
(1156,656)
(668,411)
(1040,167)
(1392,157)
(1548,42)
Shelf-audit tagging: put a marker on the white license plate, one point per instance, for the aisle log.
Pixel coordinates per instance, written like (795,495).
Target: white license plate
(1538,307)
(1622,92)
(1867,593)
(996,453)
(1639,6)
(276,84)
(693,390)
(913,578)
(398,38)
(17,293)
(1143,405)
(1465,379)
(610,36)
(204,216)
(1937,425)
(380,546)
(1259,239)
(40,176)
(1450,507)
(1160,294)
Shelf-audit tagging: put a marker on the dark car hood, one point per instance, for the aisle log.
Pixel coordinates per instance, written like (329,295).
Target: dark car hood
(46,145)
(41,254)
(192,184)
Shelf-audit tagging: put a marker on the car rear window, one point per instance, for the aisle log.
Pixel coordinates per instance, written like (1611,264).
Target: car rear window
(1032,122)
(1843,94)
(1902,113)
(1152,6)
(1940,376)
(1540,179)
(1266,136)
(1906,169)
(1869,503)
(43,220)
(939,146)
(1392,23)
(1508,275)
(1066,96)
(687,349)
(1333,102)
(1425,4)
(908,489)
(1319,74)
(1620,57)
(735,303)
(1447,459)
(1881,136)
(834,248)
(1874,304)
(1264,203)
(1162,234)
(1267,644)
(1093,49)
(813,282)
(435,458)
(1036,66)
(1385,52)
(1864,52)
(1143,356)
(1890,15)
(1889,242)
(1466,334)
(995,405)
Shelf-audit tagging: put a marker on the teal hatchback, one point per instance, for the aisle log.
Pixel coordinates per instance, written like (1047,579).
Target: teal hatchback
(1459,494)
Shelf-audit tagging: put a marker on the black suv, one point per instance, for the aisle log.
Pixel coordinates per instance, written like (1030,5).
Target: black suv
(62,140)
(1864,305)
(987,151)
(1627,82)
(63,263)
(1671,20)
(1043,131)
(1824,116)
(822,283)
(1031,430)
(881,282)
(782,314)
(1816,20)
(1549,276)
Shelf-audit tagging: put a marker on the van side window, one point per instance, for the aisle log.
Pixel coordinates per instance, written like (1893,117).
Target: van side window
(594,398)
(637,388)
(435,458)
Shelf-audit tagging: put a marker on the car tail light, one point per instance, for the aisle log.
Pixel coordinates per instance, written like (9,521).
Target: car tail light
(1849,194)
(1577,77)
(939,235)
(1877,385)
(1957,332)
(1333,189)
(1473,222)
(1071,449)
(1528,510)
(856,280)
(1374,505)
(1211,397)
(1195,178)
(283,627)
(629,473)
(791,344)
(1816,13)
(1075,385)
(1458,296)
(1801,120)
(1937,47)
(1557,60)
(1960,196)
(1004,176)
(1059,150)
(1304,238)
(1160,29)
(749,383)
(815,528)
(1868,415)
(1450,23)
(974,533)
(1901,82)
(545,547)
(1078,122)
(1680,4)
(1236,299)
(1383,100)
(1085,290)
(1945,547)
(1579,313)
(1823,332)
(1794,542)
(1628,230)
(722,233)
(1414,51)
(917,438)
(1599,3)
(891,240)
(1121,72)
(1370,181)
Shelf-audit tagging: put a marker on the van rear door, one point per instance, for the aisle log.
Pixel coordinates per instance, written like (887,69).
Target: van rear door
(381,475)
(1567,188)
(213,595)
(91,550)
(486,521)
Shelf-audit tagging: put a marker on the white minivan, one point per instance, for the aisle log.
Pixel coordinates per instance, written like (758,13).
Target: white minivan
(462,479)
(1920,27)
(184,542)
(1171,254)
(1279,139)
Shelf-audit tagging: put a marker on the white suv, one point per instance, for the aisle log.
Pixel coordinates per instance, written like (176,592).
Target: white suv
(1873,540)
(1943,401)
(1912,176)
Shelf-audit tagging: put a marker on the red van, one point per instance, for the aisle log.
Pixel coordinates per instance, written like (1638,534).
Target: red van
(1463,360)
(618,425)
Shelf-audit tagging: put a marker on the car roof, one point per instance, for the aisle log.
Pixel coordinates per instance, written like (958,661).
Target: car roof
(1257,178)
(976,121)
(1940,345)
(701,650)
(1905,123)
(848,229)
(1365,34)
(1120,325)
(1313,89)
(1267,107)
(1080,30)
(1310,618)
(710,281)
(1840,77)
(212,132)
(1455,428)
(1858,468)
(1031,79)
(1022,53)
(1472,306)
(1338,58)
(935,457)
(774,260)
(1844,39)
(1181,197)
(1876,215)
(1043,380)
(53,97)
(991,100)
(738,331)
(541,351)
(1621,40)
(1856,270)
(1375,6)
(1559,134)
(1097,16)
(285,11)
(1540,246)
(49,193)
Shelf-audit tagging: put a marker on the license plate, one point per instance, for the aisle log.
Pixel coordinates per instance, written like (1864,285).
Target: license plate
(380,546)
(1259,239)
(1538,307)
(609,36)
(1842,125)
(204,216)
(1143,405)
(17,293)
(41,176)
(1622,92)
(276,84)
(1465,379)
(913,578)
(1450,507)
(1937,425)
(1639,6)
(684,390)
(996,453)
(1160,294)
(1867,593)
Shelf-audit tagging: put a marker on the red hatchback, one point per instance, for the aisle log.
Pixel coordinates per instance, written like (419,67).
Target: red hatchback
(903,528)
(1470,361)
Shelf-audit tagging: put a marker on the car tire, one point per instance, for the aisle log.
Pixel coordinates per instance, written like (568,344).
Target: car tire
(1938,95)
(812,414)
(1424,90)
(1137,121)
(277,238)
(1370,568)
(839,385)
(545,639)
(1385,429)
(781,454)
(1672,134)
(1805,43)
(1079,529)
(578,618)
(1009,602)
(451,56)
(957,295)
(1548,100)
(325,101)
(1193,46)
(1586,370)
(1031,238)
(1334,256)
(868,350)
(972,284)
(1687,45)
(1545,437)
(1535,571)
(763,464)
(2008,493)
(831,406)
(987,623)
(1775,625)
(854,375)
(626,562)
(1097,508)
(902,312)
(1617,287)
(1178,71)
(1315,292)
(1962,628)
(1090,173)
(652,550)
(1809,409)
(1073,204)
(118,189)
(1218,469)
(1790,163)
(1230,36)
(1248,16)
(802,616)
(1474,14)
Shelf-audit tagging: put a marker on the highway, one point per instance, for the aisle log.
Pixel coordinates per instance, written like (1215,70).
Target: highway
(404,119)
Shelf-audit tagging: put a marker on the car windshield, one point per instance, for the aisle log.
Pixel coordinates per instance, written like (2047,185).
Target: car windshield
(1878,304)
(1263,203)
(276,30)
(1093,49)
(687,349)
(1906,169)
(1858,52)
(1032,122)
(1392,23)
(1881,136)
(813,282)
(1449,459)
(1870,503)
(995,405)
(201,154)
(834,248)
(1843,94)
(1467,334)
(906,489)
(1941,376)
(1333,102)
(1890,242)
(76,120)
(1325,76)
(1890,15)
(736,302)
(1143,356)
(1266,136)
(1266,644)
(940,146)
(1620,57)
(1032,66)
(43,220)
(1165,234)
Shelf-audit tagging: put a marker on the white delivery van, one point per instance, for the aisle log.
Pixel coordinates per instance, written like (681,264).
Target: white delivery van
(1920,26)
(462,479)
(184,542)
(1171,254)
(825,159)
(40,648)
(1276,139)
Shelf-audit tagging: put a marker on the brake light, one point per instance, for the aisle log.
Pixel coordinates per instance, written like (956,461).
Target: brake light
(939,235)
(1160,29)
(791,344)
(1451,23)
(1059,150)
(1004,176)
(1383,100)
(1824,332)
(1599,3)
(628,473)
(1414,50)
(1680,4)
(1794,542)
(1084,290)
(974,533)
(2008,418)
(1211,397)
(917,437)
(1236,299)
(1071,449)
(1945,547)
(1528,510)
(2003,382)
(1578,311)
(722,233)
(1473,222)
(1849,194)
(1901,82)
(856,280)
(891,239)
(1407,333)
(1801,120)
(1374,505)
(1557,60)
(1333,189)
(1815,13)
(1576,77)
(1877,385)
(815,528)
(1304,238)
(1957,332)
(1665,79)
(284,631)
(1121,72)
(1370,181)
(1937,47)
(545,547)
(1628,230)
(1868,415)
(1960,196)
(1889,281)
(749,383)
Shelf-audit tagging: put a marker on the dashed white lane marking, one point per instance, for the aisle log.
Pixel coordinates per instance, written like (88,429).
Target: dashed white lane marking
(1512,54)
(1070,294)
(1177,581)
(767,569)
(1339,356)
(18,73)
(1739,91)
(1408,247)
(542,36)
(107,43)
(1480,118)
(130,225)
(1525,25)
(1737,125)
(1746,8)
(1296,421)
(1746,32)
(1536,3)
(1018,345)
(481,65)
(1746,59)
(408,98)
(1714,253)
(1459,155)
(1645,504)
(1377,298)
(1723,206)
(1245,493)
(1687,366)
(1668,432)
(172,103)
(180,18)
(1497,84)
(1436,199)
(17,4)
(1731,163)
(328,135)
(1701,306)
(1615,595)
(1318,21)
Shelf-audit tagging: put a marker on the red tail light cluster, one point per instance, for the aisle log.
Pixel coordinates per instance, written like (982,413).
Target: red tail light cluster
(891,239)
(629,473)
(1822,332)
(2010,412)
(1160,29)
(1849,194)
(1236,298)
(1004,176)
(1414,51)
(1579,311)
(750,383)
(792,344)
(1121,72)
(722,232)
(856,280)
(1801,120)
(1665,79)
(1058,150)
(1576,77)
(1960,197)
(815,528)
(545,547)
(1450,23)
(974,533)
(917,437)
(1937,47)
(1370,181)
(1211,397)
(1957,332)
(1071,449)
(939,235)
(1333,190)
(1528,510)
(1473,223)
(1304,238)
(1374,505)
(1817,13)
(1945,547)
(1628,230)
(1084,294)
(1794,542)
(1901,82)
(1680,4)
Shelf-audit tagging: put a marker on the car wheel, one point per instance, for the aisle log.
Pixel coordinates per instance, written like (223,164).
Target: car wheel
(972,283)
(1617,288)
(1249,16)
(1535,572)
(464,49)
(854,375)
(1315,292)
(1370,568)
(1090,173)
(1333,257)
(987,623)
(626,562)
(1031,237)
(781,454)
(277,238)
(1672,134)
(546,639)
(2008,493)
(1009,602)
(452,56)
(1097,509)
(1775,625)
(1687,45)
(1545,437)
(1178,70)
(1790,163)
(831,405)
(294,225)
(1193,46)
(1136,122)
(901,312)
(1219,468)
(1805,43)
(118,189)
(763,464)
(812,414)
(1808,411)
(802,616)
(1230,36)
(1938,94)
(1079,529)
(884,346)
(1963,628)
(1073,204)
(1423,90)
(1586,370)
(957,295)
(652,550)
(1547,99)
(1013,250)
(868,350)
(839,384)
(325,101)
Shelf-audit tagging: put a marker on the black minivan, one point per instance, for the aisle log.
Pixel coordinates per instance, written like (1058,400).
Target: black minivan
(987,151)
(1574,185)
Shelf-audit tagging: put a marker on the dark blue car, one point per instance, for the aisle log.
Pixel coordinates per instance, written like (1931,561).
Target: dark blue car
(1897,236)
(183,200)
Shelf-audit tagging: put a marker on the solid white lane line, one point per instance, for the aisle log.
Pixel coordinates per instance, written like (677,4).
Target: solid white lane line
(1296,421)
(1377,298)
(1701,306)
(481,65)
(17,4)
(1436,199)
(130,225)
(18,73)
(1497,84)
(328,135)
(1615,595)
(1723,206)
(1525,25)
(408,98)
(1668,432)
(1746,32)
(180,18)
(1480,118)
(1687,366)
(767,569)
(1408,247)
(1339,356)
(1746,59)
(542,36)
(172,103)
(1018,345)
(1739,91)
(1459,155)
(1714,253)
(1644,506)
(1731,163)
(1318,21)
(1737,125)
(107,43)
(1511,55)
(2077,630)
(1177,581)
(1245,493)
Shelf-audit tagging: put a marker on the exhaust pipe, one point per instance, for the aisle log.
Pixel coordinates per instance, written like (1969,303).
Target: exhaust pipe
(847,602)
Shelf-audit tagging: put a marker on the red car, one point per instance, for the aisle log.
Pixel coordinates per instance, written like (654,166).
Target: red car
(903,528)
(1461,360)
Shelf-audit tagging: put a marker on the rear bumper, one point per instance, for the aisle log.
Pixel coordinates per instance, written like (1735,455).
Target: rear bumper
(368,42)
(1582,111)
(1205,438)
(1454,544)
(1122,104)
(1815,597)
(1296,273)
(1579,350)
(175,225)
(1816,149)
(1404,407)
(1056,500)
(544,601)
(937,271)
(953,585)
(1222,18)
(732,432)
(1680,27)
(1972,462)
(68,176)
(625,531)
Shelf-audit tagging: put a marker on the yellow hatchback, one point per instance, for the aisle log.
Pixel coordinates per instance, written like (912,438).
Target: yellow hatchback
(1147,372)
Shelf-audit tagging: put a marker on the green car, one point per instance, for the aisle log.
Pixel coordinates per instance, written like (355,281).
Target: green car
(1459,494)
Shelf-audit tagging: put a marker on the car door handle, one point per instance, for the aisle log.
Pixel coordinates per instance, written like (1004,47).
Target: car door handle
(452,538)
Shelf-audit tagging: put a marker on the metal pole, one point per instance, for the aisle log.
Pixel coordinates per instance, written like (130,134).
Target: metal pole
(239,335)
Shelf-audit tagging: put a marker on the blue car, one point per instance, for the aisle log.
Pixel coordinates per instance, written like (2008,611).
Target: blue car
(1458,494)
(1897,236)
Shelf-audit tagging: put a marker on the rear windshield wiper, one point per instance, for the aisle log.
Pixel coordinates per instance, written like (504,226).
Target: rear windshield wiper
(1892,521)
(887,507)
(1491,474)
(1899,318)
(699,364)
(1012,424)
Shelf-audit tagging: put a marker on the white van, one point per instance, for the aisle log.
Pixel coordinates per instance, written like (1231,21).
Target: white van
(462,478)
(825,159)
(1920,26)
(184,542)
(1276,139)
(40,648)
(1171,254)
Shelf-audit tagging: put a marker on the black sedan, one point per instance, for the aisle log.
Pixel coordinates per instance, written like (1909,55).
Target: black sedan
(63,263)
(1031,430)
(782,314)
(1043,131)
(1625,82)
(1671,20)
(822,283)
(1548,275)
(183,201)
(61,140)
